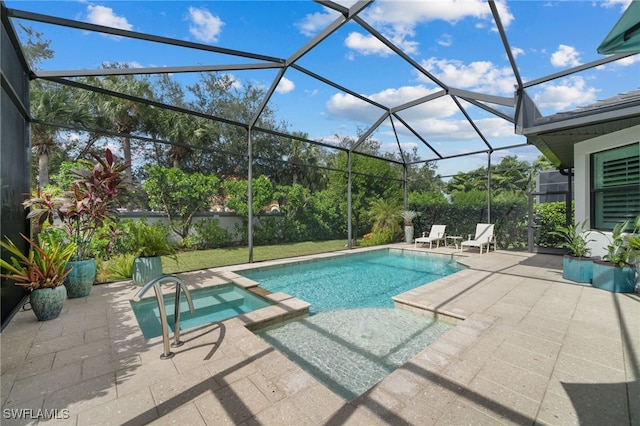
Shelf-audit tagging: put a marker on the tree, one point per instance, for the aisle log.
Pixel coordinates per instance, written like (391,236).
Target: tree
(180,195)
(371,179)
(122,115)
(385,217)
(238,193)
(53,104)
(238,198)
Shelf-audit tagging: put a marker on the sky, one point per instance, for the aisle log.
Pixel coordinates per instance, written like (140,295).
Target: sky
(455,41)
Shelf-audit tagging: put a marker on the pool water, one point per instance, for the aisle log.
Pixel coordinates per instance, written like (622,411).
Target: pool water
(355,338)
(351,350)
(210,304)
(363,280)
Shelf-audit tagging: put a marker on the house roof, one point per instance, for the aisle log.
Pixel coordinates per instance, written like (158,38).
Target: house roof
(556,135)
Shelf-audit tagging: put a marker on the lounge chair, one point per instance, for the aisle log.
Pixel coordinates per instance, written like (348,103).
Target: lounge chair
(436,235)
(484,237)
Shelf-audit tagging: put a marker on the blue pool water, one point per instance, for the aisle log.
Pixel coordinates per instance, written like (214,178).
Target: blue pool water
(363,280)
(210,304)
(355,338)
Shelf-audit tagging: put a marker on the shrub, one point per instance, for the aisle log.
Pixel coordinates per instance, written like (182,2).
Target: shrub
(208,234)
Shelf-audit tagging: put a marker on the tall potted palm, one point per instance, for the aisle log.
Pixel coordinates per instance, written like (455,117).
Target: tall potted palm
(42,271)
(408,216)
(90,202)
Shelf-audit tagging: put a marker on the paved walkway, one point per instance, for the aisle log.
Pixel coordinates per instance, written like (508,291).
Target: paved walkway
(532,349)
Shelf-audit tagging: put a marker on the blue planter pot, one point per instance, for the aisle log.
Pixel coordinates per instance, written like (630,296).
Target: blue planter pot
(80,280)
(146,269)
(577,269)
(47,303)
(610,277)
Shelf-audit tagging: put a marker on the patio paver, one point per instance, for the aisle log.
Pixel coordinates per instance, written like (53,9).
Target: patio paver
(529,348)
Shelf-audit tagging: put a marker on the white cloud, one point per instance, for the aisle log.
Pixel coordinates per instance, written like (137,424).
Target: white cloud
(445,40)
(398,20)
(366,44)
(101,15)
(615,3)
(565,56)
(205,27)
(562,96)
(285,85)
(516,51)
(314,22)
(482,76)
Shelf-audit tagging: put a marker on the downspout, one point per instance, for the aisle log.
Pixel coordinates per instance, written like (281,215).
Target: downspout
(568,210)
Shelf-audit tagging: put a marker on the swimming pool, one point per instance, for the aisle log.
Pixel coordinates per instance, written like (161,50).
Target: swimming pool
(354,338)
(210,304)
(359,280)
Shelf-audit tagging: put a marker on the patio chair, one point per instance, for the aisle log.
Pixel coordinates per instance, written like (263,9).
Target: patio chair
(484,237)
(436,235)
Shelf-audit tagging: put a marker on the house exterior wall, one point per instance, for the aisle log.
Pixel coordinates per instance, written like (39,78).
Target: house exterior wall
(582,177)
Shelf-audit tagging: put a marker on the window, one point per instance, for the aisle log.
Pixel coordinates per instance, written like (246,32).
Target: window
(615,186)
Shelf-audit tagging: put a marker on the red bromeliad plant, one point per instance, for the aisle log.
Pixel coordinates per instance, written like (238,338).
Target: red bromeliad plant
(91,201)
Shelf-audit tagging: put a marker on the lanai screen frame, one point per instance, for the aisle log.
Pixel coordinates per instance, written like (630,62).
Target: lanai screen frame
(524,110)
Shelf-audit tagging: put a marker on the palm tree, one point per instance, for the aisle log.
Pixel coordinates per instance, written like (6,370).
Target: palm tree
(52,103)
(125,115)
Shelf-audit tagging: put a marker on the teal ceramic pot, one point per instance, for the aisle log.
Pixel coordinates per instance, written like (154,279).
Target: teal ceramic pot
(80,280)
(610,277)
(146,269)
(577,269)
(47,303)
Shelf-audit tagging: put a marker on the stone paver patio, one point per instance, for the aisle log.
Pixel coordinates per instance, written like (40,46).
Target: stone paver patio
(529,348)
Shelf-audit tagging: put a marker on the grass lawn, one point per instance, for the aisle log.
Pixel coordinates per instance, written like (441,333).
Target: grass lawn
(201,259)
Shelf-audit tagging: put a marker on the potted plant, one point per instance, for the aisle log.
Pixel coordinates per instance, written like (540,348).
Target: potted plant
(617,272)
(408,216)
(576,265)
(150,243)
(91,201)
(42,271)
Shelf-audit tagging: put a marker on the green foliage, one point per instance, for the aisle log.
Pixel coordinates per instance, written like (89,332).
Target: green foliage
(179,195)
(238,192)
(470,198)
(574,238)
(422,199)
(623,248)
(117,268)
(385,215)
(371,179)
(549,216)
(149,240)
(208,234)
(90,202)
(44,265)
(308,216)
(266,231)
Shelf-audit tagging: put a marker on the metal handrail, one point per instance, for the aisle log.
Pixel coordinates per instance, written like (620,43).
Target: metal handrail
(180,287)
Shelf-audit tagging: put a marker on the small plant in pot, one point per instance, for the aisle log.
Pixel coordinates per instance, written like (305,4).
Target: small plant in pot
(408,216)
(91,201)
(616,272)
(576,265)
(150,243)
(42,271)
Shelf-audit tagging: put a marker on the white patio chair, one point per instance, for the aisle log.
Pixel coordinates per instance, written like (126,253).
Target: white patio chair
(436,235)
(484,237)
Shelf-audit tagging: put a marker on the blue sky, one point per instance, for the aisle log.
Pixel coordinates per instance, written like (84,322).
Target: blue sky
(455,41)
